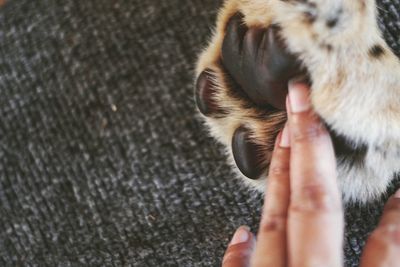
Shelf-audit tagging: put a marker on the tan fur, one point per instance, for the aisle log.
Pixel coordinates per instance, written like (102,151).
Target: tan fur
(358,96)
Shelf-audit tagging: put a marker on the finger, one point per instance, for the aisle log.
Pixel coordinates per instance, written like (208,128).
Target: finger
(383,246)
(270,250)
(239,249)
(313,161)
(315,213)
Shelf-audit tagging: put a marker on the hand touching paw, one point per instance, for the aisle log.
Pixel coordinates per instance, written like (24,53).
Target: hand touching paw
(302,220)
(243,75)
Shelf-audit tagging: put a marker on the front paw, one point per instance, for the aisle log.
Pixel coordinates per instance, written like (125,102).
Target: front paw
(242,95)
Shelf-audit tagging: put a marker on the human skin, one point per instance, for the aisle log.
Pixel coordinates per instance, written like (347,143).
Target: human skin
(302,220)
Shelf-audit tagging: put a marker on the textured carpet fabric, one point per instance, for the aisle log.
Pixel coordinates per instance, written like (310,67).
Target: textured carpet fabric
(102,159)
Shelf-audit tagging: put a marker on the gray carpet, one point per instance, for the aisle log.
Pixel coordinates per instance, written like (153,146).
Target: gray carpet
(102,159)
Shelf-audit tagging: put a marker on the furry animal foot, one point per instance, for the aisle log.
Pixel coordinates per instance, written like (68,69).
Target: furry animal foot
(259,45)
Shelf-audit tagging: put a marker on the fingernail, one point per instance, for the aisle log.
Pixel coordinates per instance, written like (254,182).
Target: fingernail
(241,235)
(397,194)
(285,138)
(287,104)
(298,96)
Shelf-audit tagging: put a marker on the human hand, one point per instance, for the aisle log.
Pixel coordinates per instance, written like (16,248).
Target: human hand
(302,221)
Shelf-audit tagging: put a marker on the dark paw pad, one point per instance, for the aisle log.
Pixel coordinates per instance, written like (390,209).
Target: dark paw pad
(205,94)
(248,155)
(258,61)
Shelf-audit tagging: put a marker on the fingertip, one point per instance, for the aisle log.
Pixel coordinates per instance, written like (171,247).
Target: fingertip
(285,137)
(397,194)
(305,125)
(392,205)
(240,248)
(242,235)
(288,105)
(299,96)
(278,139)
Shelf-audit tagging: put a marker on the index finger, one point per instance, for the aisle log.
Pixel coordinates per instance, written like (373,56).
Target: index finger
(315,224)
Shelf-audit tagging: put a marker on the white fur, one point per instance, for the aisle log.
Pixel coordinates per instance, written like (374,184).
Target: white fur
(356,94)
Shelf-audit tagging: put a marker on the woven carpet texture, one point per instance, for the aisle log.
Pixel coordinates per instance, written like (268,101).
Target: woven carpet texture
(103,161)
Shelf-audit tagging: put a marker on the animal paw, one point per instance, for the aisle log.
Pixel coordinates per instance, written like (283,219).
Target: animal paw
(259,45)
(242,93)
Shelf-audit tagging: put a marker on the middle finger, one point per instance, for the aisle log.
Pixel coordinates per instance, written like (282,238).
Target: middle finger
(315,224)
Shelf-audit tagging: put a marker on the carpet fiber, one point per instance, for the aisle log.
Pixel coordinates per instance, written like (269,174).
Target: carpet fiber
(102,159)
